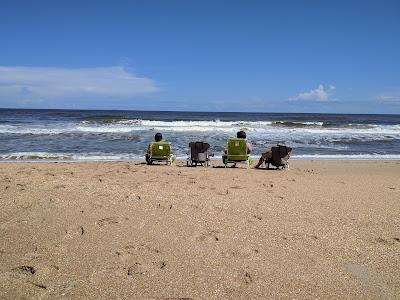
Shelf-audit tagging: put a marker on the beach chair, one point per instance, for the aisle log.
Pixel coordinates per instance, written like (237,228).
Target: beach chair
(161,152)
(280,157)
(198,154)
(236,152)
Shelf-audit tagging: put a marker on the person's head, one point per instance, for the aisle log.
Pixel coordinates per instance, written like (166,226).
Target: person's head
(241,134)
(158,137)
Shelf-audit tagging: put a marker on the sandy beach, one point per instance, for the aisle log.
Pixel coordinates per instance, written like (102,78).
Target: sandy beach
(123,230)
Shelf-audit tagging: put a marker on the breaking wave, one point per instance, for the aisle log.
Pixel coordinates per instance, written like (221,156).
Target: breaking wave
(130,125)
(114,135)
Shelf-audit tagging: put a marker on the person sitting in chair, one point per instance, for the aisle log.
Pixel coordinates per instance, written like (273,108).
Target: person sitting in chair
(240,135)
(278,156)
(264,157)
(157,138)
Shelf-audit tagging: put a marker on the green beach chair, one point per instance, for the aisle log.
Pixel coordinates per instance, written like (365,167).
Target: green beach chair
(161,152)
(237,152)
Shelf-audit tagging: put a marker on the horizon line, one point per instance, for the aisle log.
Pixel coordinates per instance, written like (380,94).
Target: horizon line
(189,111)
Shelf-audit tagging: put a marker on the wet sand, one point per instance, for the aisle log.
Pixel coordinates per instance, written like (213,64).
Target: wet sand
(122,230)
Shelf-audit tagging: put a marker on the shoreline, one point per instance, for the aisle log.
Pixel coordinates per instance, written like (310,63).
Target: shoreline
(216,160)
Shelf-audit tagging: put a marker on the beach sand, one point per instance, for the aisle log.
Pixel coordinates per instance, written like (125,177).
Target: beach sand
(123,230)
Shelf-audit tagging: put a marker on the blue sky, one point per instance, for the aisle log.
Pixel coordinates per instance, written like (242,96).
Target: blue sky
(266,56)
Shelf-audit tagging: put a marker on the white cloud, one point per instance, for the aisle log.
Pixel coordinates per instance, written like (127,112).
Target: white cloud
(391,99)
(319,94)
(36,85)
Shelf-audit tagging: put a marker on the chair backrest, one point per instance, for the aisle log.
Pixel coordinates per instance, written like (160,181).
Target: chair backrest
(237,149)
(160,149)
(198,151)
(280,155)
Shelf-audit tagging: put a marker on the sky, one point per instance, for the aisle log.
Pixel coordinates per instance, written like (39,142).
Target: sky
(250,56)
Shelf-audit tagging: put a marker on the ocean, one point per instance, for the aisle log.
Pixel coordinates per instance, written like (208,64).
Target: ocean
(27,135)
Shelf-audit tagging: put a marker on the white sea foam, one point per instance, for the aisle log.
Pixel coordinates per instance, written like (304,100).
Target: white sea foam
(44,156)
(347,157)
(35,156)
(312,133)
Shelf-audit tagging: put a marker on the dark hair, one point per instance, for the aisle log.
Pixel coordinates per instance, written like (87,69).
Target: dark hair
(158,137)
(241,134)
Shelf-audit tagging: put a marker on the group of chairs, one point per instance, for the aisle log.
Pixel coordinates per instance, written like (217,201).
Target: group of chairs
(236,152)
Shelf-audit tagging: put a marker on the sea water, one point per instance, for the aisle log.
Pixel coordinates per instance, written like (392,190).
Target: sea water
(124,135)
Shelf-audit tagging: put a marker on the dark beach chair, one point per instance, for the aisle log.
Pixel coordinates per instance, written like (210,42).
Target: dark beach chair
(198,154)
(280,157)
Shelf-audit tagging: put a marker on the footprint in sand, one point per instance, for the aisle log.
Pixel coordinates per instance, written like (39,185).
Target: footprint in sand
(219,208)
(169,206)
(22,186)
(223,193)
(136,251)
(239,254)
(107,221)
(247,278)
(73,231)
(257,217)
(236,187)
(384,241)
(143,268)
(208,235)
(25,270)
(145,247)
(136,269)
(131,198)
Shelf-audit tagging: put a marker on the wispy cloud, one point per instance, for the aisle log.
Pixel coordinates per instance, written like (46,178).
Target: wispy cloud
(28,85)
(389,99)
(319,94)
